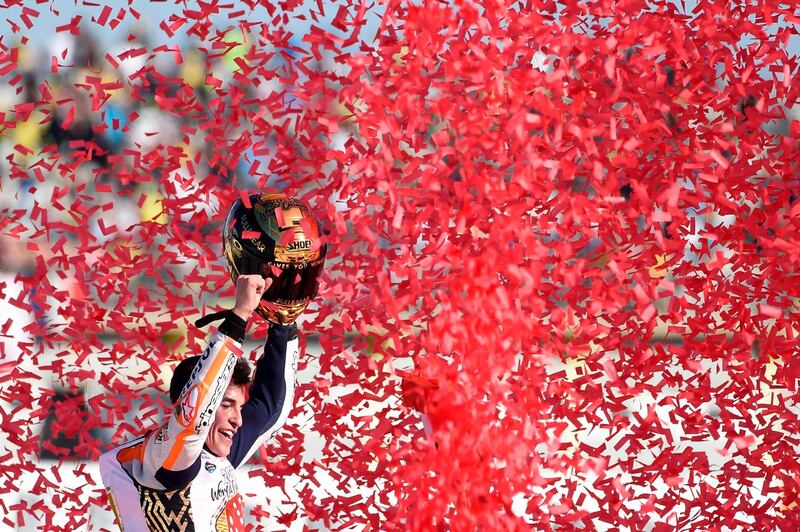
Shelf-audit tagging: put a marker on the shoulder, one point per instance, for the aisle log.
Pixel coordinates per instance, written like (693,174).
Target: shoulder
(125,452)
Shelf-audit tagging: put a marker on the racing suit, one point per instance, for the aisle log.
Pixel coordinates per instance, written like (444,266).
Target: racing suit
(166,480)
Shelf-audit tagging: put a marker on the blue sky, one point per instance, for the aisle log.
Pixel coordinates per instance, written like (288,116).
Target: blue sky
(54,13)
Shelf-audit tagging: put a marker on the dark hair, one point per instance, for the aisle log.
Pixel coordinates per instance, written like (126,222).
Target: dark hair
(241,375)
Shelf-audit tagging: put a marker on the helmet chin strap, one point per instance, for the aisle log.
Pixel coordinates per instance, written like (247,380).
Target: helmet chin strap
(208,318)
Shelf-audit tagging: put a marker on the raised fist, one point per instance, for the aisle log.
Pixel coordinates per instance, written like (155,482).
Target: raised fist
(249,289)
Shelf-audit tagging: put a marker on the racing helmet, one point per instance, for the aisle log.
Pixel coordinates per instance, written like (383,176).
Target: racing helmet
(277,237)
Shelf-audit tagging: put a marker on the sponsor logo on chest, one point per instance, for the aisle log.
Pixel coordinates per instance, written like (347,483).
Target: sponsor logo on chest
(225,486)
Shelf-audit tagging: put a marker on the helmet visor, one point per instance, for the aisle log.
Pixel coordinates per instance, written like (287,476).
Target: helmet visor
(293,282)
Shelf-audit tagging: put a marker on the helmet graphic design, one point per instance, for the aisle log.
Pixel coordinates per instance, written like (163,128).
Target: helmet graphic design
(277,238)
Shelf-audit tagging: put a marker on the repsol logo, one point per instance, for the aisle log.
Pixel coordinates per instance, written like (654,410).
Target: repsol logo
(220,385)
(299,245)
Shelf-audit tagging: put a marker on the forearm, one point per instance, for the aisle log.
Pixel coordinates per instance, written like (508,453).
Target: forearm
(176,447)
(271,393)
(280,353)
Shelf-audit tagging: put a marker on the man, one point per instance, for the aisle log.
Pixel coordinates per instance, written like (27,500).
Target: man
(181,476)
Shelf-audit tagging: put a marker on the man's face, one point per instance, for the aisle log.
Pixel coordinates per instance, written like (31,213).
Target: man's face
(227,421)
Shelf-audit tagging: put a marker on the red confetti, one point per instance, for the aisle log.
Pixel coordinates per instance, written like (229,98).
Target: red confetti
(103,18)
(69,118)
(280,218)
(562,244)
(73,27)
(246,201)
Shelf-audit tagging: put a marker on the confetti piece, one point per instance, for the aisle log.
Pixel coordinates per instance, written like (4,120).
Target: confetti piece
(556,250)
(771,311)
(245,199)
(280,218)
(69,118)
(104,14)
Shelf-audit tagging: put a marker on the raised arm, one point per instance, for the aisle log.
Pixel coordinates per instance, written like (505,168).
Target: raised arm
(172,453)
(271,393)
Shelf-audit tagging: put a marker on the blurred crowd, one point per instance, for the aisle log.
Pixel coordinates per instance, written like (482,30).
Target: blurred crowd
(93,125)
